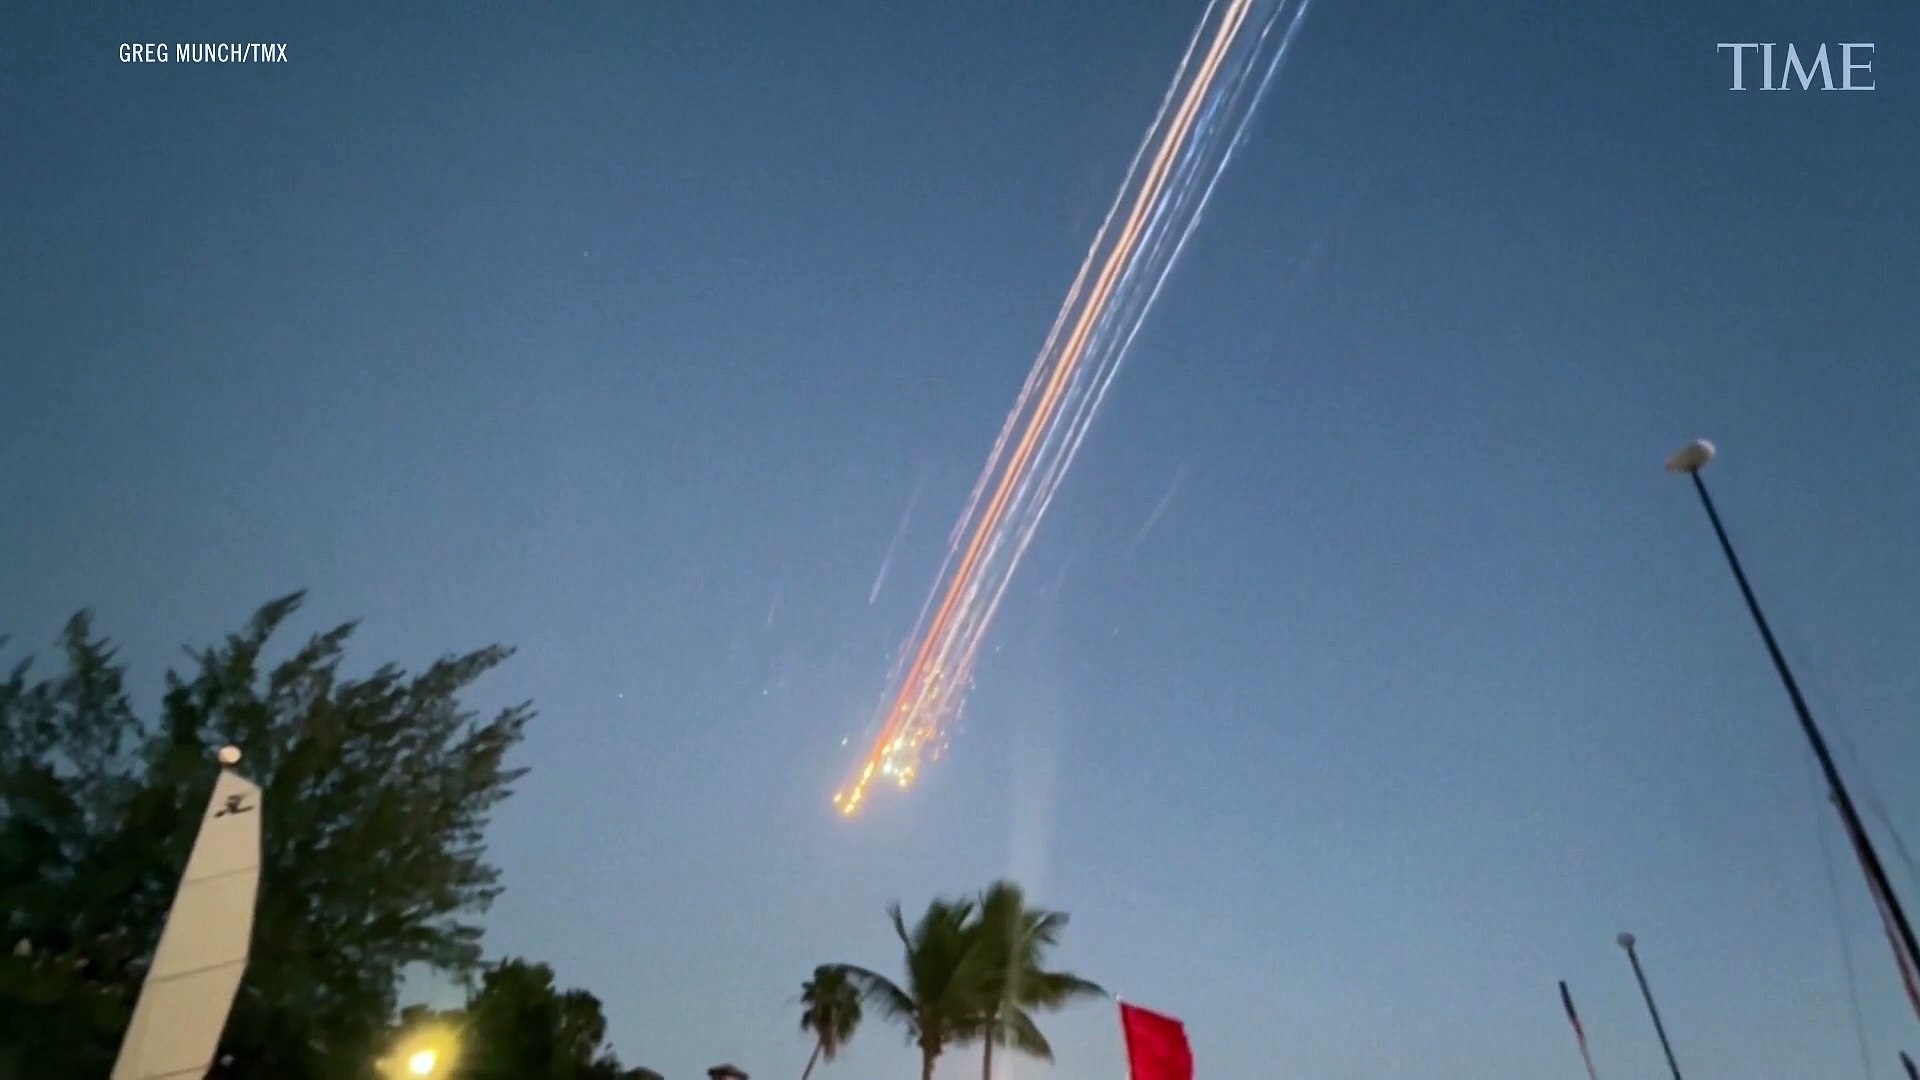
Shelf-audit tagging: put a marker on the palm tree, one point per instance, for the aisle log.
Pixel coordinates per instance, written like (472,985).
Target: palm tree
(1014,939)
(832,1013)
(941,1002)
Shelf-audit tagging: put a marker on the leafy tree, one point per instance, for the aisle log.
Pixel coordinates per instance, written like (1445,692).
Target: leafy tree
(944,994)
(51,1016)
(519,1026)
(1015,939)
(377,792)
(831,1013)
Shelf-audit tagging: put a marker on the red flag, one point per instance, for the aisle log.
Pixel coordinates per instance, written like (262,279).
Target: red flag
(1156,1045)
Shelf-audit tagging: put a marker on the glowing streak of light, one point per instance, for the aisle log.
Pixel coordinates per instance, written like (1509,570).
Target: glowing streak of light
(1191,144)
(893,547)
(1159,510)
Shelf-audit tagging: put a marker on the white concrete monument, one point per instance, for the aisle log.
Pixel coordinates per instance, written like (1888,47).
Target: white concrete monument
(189,989)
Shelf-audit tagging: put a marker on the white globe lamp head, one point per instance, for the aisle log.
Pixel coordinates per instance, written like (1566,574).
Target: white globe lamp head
(1692,457)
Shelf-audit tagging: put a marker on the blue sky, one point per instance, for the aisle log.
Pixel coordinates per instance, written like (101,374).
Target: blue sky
(597,329)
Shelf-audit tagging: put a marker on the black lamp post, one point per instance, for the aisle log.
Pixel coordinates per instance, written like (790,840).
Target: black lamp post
(1690,461)
(1660,1029)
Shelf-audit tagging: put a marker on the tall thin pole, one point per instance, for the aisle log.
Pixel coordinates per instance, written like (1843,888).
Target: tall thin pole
(1579,1033)
(1856,831)
(1660,1029)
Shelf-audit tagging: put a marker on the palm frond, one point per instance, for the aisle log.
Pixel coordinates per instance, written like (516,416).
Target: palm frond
(1017,1031)
(1045,927)
(879,991)
(899,924)
(1053,989)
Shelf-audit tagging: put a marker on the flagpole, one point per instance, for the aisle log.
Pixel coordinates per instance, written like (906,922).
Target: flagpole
(1626,942)
(1691,460)
(1579,1033)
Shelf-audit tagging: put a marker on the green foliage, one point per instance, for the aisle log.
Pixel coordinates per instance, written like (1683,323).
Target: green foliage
(974,972)
(831,1012)
(1017,939)
(519,1026)
(377,790)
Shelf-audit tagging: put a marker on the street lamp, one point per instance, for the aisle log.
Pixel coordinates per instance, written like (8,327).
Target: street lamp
(1690,460)
(428,1053)
(1626,942)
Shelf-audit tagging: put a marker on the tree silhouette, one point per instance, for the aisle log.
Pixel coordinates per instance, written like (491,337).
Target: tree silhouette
(377,789)
(831,1013)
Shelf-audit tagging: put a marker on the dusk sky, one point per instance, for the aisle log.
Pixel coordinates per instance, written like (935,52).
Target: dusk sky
(624,332)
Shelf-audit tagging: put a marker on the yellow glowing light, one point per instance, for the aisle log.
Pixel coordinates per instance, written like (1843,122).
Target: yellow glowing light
(425,1054)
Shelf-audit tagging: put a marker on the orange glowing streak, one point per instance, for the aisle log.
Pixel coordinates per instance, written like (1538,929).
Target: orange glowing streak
(1071,355)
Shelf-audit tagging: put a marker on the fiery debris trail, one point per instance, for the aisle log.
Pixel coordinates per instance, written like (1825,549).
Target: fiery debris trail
(1228,64)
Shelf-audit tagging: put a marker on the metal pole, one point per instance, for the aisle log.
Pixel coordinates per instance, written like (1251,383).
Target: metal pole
(1579,1033)
(1869,858)
(1660,1029)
